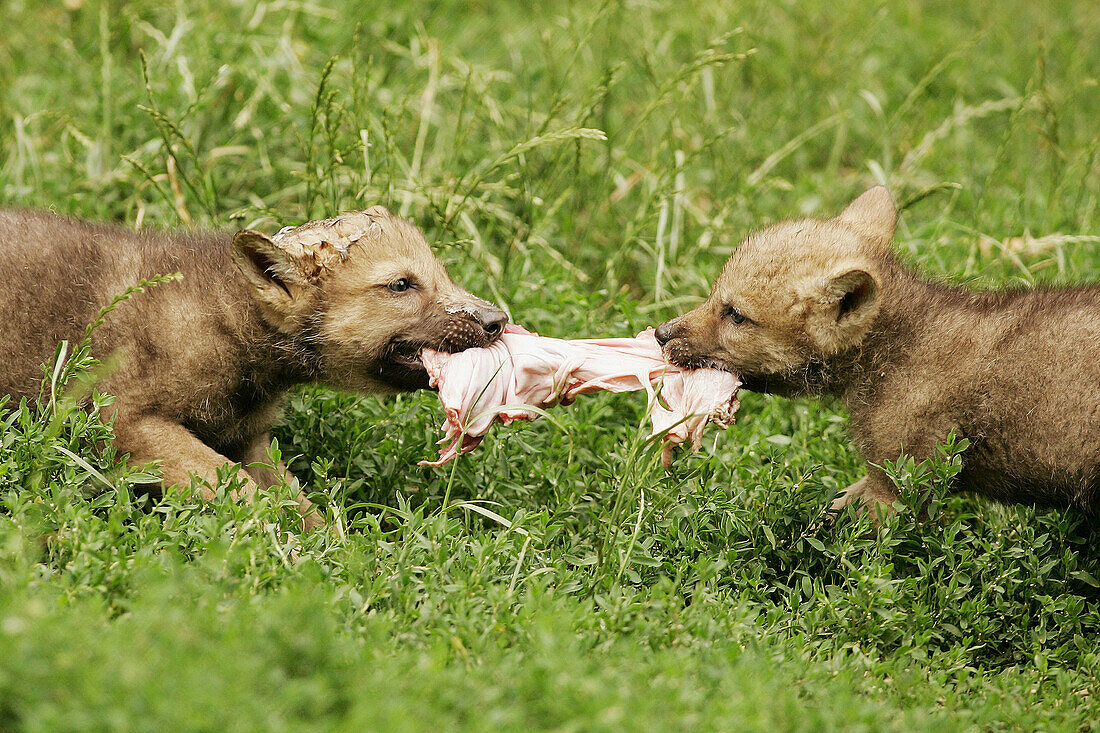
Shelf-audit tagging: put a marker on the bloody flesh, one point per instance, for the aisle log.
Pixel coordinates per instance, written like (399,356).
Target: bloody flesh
(503,381)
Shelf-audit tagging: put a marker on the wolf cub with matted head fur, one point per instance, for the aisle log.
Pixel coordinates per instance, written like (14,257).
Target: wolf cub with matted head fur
(824,307)
(202,364)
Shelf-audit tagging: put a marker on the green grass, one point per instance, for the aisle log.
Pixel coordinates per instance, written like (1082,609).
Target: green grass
(589,166)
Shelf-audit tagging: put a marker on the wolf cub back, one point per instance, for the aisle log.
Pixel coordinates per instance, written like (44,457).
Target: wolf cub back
(825,307)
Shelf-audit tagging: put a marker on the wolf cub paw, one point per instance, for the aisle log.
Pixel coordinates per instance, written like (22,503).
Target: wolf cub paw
(872,499)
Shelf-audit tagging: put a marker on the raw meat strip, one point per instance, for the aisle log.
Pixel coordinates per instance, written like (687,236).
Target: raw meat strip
(521,370)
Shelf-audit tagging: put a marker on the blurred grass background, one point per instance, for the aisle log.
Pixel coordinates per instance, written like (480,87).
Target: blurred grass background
(590,166)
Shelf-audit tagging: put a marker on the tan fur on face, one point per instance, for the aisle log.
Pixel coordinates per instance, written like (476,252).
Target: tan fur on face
(832,311)
(808,289)
(434,312)
(330,279)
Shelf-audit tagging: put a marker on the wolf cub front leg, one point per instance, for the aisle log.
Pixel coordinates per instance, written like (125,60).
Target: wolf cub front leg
(181,455)
(150,438)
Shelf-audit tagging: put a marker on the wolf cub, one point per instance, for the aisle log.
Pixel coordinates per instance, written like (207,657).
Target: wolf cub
(202,364)
(824,307)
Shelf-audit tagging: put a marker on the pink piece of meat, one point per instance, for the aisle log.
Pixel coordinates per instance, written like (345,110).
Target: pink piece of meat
(522,370)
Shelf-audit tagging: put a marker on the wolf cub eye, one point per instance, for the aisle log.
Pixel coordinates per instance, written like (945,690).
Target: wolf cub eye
(734,315)
(400,285)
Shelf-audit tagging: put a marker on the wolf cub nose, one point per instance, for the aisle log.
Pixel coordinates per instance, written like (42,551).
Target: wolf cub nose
(493,320)
(666,332)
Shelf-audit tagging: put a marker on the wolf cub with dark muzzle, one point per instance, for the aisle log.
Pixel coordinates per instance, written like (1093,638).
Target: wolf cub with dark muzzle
(202,365)
(813,307)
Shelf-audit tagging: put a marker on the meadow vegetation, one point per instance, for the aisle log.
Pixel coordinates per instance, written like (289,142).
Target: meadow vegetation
(589,166)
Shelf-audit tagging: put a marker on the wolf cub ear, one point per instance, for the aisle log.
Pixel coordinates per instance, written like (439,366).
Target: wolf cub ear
(872,215)
(272,272)
(843,306)
(264,263)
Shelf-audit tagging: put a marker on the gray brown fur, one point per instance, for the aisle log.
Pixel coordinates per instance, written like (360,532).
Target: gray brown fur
(831,310)
(203,364)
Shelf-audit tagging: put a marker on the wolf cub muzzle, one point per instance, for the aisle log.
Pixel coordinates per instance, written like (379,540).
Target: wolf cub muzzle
(824,307)
(201,365)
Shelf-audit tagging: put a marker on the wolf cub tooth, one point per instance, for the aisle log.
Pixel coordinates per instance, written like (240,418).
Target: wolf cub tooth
(204,363)
(824,307)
